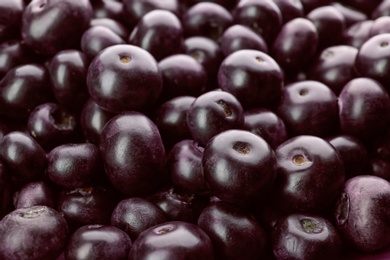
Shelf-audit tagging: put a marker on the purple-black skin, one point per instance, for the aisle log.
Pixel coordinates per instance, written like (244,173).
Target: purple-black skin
(239,166)
(171,120)
(50,125)
(124,77)
(213,113)
(97,38)
(184,166)
(134,10)
(253,77)
(127,216)
(34,194)
(11,12)
(14,53)
(37,232)
(330,24)
(358,33)
(182,76)
(295,45)
(383,9)
(380,167)
(351,15)
(264,17)
(309,5)
(180,206)
(108,9)
(353,153)
(113,25)
(208,53)
(362,211)
(47,37)
(239,37)
(87,205)
(303,236)
(98,242)
(68,72)
(133,153)
(159,32)
(235,234)
(266,124)
(310,175)
(290,9)
(206,19)
(380,25)
(93,118)
(23,156)
(364,107)
(334,67)
(373,59)
(6,191)
(174,240)
(30,87)
(309,101)
(363,6)
(75,165)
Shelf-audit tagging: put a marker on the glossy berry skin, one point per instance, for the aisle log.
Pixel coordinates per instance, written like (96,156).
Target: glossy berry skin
(17,147)
(133,153)
(126,216)
(159,32)
(206,19)
(330,24)
(182,76)
(290,9)
(313,237)
(364,107)
(124,77)
(373,59)
(295,44)
(92,120)
(68,72)
(11,12)
(239,166)
(37,232)
(101,241)
(51,126)
(134,10)
(13,53)
(113,25)
(107,9)
(213,113)
(351,15)
(310,175)
(239,37)
(358,33)
(253,77)
(309,101)
(334,67)
(364,198)
(74,165)
(266,124)
(171,120)
(264,17)
(383,9)
(172,240)
(97,38)
(48,37)
(87,205)
(207,52)
(184,166)
(380,25)
(179,206)
(366,7)
(22,89)
(235,234)
(34,194)
(353,153)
